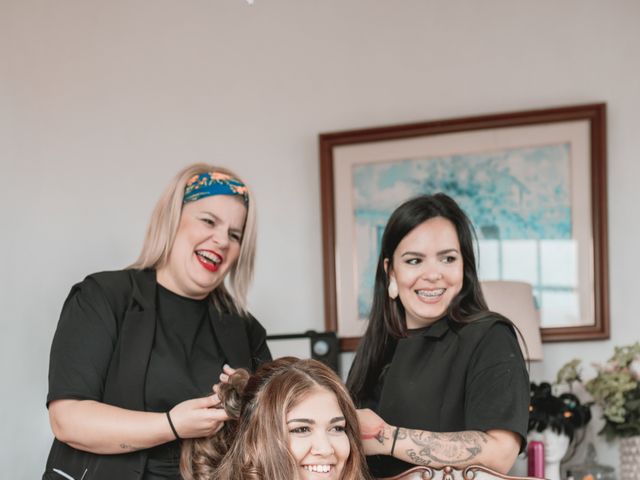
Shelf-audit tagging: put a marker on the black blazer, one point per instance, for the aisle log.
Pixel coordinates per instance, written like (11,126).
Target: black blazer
(131,295)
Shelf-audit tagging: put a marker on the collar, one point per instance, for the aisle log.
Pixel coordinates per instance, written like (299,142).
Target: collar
(228,327)
(144,288)
(435,330)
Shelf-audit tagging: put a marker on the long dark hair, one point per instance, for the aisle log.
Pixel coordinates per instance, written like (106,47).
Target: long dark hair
(387,318)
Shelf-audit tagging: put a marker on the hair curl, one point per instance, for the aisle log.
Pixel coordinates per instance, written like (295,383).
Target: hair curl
(254,444)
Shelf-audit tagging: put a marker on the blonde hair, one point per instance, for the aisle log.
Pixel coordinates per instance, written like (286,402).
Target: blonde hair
(254,444)
(163,226)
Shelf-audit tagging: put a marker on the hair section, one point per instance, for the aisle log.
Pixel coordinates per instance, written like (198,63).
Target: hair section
(254,445)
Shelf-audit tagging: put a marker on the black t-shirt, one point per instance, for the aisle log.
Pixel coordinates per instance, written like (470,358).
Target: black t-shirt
(451,377)
(185,363)
(101,351)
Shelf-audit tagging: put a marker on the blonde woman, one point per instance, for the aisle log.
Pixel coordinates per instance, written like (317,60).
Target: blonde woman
(292,420)
(137,350)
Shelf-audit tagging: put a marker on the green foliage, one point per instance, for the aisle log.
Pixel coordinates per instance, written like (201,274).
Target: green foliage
(569,372)
(615,388)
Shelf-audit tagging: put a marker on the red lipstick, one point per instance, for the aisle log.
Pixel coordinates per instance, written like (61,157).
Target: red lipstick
(206,262)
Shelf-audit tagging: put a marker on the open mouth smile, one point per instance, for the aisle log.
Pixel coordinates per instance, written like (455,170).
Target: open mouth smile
(319,468)
(209,259)
(432,295)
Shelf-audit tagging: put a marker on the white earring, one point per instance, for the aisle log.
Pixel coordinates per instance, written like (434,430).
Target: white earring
(393,289)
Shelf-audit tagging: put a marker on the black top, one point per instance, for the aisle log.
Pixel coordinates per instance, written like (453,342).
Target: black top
(105,346)
(450,377)
(185,363)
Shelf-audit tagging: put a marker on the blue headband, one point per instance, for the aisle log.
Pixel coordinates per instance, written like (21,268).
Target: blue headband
(214,183)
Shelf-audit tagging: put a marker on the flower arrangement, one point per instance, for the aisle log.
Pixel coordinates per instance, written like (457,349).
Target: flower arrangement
(615,388)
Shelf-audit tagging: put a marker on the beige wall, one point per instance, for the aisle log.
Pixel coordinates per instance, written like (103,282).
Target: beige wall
(101,102)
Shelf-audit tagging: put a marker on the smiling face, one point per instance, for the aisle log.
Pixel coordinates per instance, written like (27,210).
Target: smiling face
(206,246)
(317,436)
(428,269)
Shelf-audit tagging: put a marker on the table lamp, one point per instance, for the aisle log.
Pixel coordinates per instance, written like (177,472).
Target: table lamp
(515,301)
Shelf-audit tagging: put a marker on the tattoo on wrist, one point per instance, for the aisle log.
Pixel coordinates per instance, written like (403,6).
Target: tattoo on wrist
(380,436)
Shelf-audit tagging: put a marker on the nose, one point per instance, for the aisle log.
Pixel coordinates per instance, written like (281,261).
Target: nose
(432,273)
(321,445)
(220,237)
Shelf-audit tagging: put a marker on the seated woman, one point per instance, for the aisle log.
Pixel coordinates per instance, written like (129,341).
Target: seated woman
(293,419)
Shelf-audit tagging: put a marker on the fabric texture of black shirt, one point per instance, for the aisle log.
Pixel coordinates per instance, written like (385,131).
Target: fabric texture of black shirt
(451,377)
(101,351)
(185,360)
(185,363)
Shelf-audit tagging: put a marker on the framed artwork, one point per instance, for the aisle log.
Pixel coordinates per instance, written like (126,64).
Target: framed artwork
(533,184)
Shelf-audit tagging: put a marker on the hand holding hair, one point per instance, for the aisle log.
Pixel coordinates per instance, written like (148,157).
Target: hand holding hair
(198,417)
(227,371)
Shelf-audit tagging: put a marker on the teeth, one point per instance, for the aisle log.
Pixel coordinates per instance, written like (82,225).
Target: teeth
(324,468)
(209,256)
(431,293)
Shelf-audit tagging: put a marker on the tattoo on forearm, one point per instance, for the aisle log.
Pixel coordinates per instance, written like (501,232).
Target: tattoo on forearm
(126,446)
(415,458)
(445,448)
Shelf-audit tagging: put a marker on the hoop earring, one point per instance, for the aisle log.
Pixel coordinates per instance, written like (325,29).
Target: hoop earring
(393,289)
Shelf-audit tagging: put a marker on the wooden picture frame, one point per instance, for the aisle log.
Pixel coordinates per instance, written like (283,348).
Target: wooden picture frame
(560,150)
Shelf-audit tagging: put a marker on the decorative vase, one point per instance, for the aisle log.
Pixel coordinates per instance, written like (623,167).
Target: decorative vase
(630,458)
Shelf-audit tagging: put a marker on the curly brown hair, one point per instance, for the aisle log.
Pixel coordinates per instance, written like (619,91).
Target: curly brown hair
(254,445)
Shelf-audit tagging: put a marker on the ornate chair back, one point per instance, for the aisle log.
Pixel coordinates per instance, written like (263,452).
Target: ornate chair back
(473,472)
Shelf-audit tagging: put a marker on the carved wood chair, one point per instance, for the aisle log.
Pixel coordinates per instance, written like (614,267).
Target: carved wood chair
(473,472)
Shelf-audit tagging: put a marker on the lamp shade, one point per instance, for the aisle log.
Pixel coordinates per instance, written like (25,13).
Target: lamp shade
(515,301)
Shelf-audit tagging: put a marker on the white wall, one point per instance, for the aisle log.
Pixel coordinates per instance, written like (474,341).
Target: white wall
(101,102)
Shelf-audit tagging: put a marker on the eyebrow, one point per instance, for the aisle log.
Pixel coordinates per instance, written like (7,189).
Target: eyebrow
(441,252)
(312,422)
(217,219)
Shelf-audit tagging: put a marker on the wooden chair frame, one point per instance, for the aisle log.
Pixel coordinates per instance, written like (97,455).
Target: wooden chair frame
(472,472)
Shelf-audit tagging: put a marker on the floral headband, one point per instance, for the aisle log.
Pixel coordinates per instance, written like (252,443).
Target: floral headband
(214,183)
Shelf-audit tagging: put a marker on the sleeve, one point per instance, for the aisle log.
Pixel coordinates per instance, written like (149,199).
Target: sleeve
(82,345)
(497,384)
(260,352)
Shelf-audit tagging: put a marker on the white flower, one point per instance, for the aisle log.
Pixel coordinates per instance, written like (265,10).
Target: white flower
(634,368)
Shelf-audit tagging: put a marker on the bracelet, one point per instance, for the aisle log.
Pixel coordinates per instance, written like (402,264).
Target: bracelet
(173,429)
(395,437)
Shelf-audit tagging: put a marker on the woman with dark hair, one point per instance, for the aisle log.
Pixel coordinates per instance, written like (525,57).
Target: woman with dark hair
(293,419)
(440,379)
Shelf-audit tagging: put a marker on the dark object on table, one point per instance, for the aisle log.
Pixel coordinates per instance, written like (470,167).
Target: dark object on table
(563,414)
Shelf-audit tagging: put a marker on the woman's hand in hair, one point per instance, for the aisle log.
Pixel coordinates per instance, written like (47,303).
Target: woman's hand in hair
(227,371)
(198,417)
